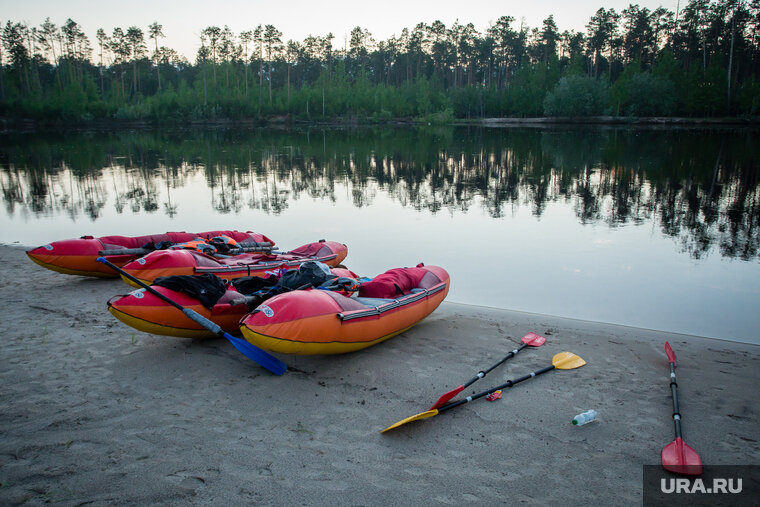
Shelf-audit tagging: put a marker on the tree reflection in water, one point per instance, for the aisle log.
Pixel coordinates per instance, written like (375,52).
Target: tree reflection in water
(699,186)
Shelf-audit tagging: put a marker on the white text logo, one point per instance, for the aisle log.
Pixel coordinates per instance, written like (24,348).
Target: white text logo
(698,486)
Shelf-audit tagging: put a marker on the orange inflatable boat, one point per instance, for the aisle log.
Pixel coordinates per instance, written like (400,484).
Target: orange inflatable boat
(326,322)
(191,262)
(145,312)
(77,256)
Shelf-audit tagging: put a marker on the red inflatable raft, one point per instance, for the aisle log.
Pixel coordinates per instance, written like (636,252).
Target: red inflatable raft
(77,256)
(145,312)
(325,322)
(191,262)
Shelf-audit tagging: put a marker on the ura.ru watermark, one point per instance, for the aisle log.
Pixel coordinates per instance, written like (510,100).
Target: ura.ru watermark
(716,485)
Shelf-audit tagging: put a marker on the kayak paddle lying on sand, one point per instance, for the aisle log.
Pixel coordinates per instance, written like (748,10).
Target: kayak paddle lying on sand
(677,456)
(532,339)
(266,360)
(561,361)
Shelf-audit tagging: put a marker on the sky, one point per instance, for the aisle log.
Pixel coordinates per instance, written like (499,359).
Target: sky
(183,20)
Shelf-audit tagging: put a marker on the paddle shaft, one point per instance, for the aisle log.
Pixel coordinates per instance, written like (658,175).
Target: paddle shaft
(261,247)
(254,249)
(249,247)
(483,373)
(192,314)
(678,457)
(265,359)
(148,288)
(673,389)
(508,383)
(125,251)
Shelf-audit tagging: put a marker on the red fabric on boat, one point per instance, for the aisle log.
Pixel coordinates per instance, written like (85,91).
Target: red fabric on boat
(180,237)
(311,250)
(393,283)
(140,241)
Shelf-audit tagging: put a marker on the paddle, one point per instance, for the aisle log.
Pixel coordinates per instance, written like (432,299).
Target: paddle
(261,247)
(561,361)
(532,339)
(677,456)
(263,358)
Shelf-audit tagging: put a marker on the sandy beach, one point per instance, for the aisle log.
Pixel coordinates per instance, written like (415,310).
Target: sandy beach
(92,411)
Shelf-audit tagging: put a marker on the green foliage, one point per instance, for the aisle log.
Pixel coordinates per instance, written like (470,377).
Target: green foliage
(467,102)
(649,95)
(641,64)
(439,118)
(619,90)
(577,96)
(642,94)
(531,84)
(138,111)
(73,101)
(748,97)
(422,98)
(574,67)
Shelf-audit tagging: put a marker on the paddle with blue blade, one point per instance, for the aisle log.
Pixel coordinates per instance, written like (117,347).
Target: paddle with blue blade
(677,456)
(531,339)
(263,358)
(561,361)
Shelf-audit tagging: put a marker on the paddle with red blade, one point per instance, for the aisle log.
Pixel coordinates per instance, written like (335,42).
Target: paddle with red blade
(677,456)
(532,339)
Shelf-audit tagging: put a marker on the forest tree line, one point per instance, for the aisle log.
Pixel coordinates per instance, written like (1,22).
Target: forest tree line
(701,61)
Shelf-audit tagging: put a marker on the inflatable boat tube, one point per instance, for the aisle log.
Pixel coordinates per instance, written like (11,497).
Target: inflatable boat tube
(191,262)
(324,322)
(145,312)
(77,256)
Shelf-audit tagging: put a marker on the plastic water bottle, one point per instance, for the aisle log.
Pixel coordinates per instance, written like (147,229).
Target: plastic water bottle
(585,417)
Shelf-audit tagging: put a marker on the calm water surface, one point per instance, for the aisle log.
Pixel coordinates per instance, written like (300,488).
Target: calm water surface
(653,228)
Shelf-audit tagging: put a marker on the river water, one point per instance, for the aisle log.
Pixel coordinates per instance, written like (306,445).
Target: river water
(652,228)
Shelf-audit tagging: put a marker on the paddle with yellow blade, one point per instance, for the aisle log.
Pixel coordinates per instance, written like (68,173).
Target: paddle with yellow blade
(532,339)
(677,456)
(561,361)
